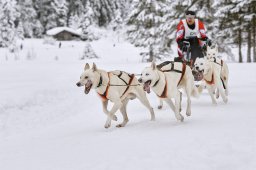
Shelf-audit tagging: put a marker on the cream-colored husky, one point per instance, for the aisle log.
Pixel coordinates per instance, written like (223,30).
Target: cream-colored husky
(117,86)
(211,78)
(165,82)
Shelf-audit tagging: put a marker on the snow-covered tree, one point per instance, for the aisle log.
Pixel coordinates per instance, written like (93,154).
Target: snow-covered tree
(60,8)
(86,23)
(27,17)
(8,16)
(144,25)
(104,11)
(74,21)
(88,52)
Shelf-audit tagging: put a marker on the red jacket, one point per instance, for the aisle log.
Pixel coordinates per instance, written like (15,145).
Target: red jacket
(181,29)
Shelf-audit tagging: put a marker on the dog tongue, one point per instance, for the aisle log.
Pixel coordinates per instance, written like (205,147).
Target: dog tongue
(146,87)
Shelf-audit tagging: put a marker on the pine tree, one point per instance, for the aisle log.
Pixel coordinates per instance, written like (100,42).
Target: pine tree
(144,23)
(104,11)
(27,17)
(60,8)
(8,16)
(86,23)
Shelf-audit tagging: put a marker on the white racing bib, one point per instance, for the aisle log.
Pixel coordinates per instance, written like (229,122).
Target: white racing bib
(189,32)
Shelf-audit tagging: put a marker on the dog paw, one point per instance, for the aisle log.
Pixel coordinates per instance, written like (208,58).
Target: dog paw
(217,96)
(120,125)
(114,118)
(160,107)
(180,117)
(107,125)
(188,113)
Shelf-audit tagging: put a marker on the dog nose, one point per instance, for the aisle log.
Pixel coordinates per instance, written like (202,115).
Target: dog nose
(140,80)
(197,67)
(78,84)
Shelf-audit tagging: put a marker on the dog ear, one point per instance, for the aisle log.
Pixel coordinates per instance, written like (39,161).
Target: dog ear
(86,67)
(94,68)
(153,65)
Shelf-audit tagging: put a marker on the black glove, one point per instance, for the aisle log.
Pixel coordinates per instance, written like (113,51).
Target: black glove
(209,42)
(180,43)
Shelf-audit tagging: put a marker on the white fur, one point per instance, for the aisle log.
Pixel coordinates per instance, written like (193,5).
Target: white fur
(114,92)
(211,73)
(172,78)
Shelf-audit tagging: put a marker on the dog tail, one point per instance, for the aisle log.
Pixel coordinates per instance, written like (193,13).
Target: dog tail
(196,92)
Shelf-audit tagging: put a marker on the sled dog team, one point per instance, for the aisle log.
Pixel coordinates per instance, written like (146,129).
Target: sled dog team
(166,80)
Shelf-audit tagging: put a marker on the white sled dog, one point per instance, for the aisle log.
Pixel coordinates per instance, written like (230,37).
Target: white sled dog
(166,79)
(212,54)
(211,77)
(117,86)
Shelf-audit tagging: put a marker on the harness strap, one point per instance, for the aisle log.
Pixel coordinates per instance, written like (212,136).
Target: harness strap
(100,82)
(172,69)
(104,96)
(130,81)
(183,72)
(178,71)
(223,83)
(119,76)
(156,82)
(221,62)
(164,93)
(211,81)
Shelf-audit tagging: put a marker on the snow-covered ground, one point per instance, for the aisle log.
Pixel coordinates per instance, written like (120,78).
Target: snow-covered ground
(47,123)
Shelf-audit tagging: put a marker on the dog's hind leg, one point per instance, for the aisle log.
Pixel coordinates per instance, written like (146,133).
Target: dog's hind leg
(141,95)
(222,93)
(105,109)
(124,113)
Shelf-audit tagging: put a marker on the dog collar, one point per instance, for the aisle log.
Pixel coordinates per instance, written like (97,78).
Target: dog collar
(156,82)
(100,82)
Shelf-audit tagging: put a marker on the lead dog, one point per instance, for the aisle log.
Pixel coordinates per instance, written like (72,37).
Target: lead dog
(117,86)
(211,77)
(166,81)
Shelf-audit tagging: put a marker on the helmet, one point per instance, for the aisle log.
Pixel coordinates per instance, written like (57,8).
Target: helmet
(188,12)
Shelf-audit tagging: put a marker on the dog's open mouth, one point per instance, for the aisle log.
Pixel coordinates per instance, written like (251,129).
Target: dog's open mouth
(87,87)
(146,86)
(198,75)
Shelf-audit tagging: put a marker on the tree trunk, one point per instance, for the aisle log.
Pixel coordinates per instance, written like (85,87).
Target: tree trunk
(254,38)
(249,44)
(240,46)
(151,54)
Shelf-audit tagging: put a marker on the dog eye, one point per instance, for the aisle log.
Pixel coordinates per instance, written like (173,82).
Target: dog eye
(147,74)
(201,63)
(86,77)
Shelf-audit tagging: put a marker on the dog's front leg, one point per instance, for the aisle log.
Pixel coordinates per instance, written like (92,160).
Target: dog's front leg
(177,106)
(105,109)
(160,106)
(210,91)
(117,105)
